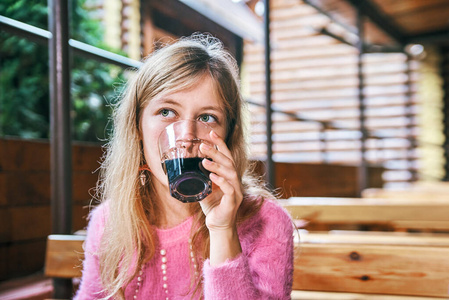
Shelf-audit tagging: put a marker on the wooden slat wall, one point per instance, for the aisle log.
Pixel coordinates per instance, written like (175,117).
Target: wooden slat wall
(25,213)
(316,76)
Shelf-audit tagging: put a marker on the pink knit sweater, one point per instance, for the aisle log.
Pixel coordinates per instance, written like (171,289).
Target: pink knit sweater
(264,270)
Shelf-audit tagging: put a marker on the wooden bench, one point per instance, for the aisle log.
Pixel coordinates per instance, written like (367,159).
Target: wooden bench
(64,256)
(336,265)
(390,213)
(63,259)
(359,266)
(430,192)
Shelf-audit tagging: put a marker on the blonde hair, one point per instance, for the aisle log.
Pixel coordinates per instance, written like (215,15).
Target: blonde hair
(128,240)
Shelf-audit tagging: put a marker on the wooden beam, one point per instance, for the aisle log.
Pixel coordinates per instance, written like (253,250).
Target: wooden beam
(370,10)
(316,295)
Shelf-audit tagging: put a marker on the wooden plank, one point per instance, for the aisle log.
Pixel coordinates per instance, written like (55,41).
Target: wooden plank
(83,187)
(25,188)
(314,295)
(23,258)
(365,210)
(3,198)
(395,7)
(32,155)
(86,157)
(432,226)
(337,83)
(441,195)
(346,263)
(432,19)
(29,222)
(64,256)
(381,238)
(377,269)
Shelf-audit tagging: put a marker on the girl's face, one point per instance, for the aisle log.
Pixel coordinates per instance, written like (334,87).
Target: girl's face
(201,102)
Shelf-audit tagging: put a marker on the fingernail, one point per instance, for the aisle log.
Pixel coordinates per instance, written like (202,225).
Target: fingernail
(205,146)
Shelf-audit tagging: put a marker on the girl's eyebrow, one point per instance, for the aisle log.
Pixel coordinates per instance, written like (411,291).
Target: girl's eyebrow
(214,108)
(166,101)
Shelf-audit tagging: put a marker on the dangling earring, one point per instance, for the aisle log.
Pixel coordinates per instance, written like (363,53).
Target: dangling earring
(143,176)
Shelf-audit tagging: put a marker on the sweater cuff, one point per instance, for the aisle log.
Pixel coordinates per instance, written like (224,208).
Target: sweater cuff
(228,280)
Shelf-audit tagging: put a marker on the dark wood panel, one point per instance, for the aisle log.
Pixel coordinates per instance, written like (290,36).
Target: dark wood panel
(425,20)
(394,7)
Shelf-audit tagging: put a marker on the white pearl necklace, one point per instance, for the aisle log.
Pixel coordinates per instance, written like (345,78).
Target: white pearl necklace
(139,283)
(163,253)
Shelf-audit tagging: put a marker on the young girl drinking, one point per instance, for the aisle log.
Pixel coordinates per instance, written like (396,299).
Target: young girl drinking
(142,243)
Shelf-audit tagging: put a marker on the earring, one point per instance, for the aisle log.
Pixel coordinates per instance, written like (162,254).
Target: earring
(143,176)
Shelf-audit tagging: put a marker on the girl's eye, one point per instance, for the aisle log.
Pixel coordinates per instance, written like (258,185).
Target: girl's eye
(166,113)
(207,118)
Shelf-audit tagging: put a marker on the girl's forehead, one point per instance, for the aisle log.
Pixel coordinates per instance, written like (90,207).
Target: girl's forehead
(205,87)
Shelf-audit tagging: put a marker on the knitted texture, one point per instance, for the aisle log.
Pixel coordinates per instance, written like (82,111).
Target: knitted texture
(264,269)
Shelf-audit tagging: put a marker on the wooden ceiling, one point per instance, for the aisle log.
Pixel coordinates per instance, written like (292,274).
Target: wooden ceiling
(402,21)
(417,17)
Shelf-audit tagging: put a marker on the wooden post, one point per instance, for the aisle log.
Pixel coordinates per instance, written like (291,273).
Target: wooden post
(270,164)
(60,133)
(363,167)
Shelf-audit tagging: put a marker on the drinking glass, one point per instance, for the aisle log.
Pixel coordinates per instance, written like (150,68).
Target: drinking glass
(181,159)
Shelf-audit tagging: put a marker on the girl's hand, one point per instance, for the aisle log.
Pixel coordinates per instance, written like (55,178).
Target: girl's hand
(221,206)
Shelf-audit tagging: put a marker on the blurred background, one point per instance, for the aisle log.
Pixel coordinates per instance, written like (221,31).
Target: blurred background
(358,97)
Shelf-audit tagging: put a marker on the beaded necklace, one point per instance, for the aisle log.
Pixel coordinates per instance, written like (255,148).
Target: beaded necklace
(163,253)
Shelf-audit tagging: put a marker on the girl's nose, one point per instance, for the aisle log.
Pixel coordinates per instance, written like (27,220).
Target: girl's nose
(187,130)
(187,135)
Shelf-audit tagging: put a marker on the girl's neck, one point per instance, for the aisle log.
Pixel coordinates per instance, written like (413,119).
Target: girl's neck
(171,211)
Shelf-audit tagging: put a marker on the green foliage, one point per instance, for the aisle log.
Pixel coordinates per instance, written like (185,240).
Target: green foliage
(24,93)
(24,76)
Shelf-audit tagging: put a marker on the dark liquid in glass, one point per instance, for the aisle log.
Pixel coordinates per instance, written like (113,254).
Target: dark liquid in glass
(187,178)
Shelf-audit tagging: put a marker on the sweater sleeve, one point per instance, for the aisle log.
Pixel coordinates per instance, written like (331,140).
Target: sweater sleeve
(264,270)
(90,286)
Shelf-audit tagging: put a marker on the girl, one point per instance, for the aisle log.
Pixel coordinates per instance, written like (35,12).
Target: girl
(237,243)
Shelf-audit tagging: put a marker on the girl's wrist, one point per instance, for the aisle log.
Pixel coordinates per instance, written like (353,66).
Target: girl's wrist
(227,233)
(224,245)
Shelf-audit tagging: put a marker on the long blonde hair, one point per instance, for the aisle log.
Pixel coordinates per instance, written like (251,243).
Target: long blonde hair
(128,240)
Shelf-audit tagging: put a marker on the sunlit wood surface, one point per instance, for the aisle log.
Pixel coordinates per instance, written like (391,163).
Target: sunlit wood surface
(365,210)
(372,264)
(347,262)
(64,256)
(314,295)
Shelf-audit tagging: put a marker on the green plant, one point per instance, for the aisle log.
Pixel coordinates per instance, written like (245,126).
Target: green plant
(24,76)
